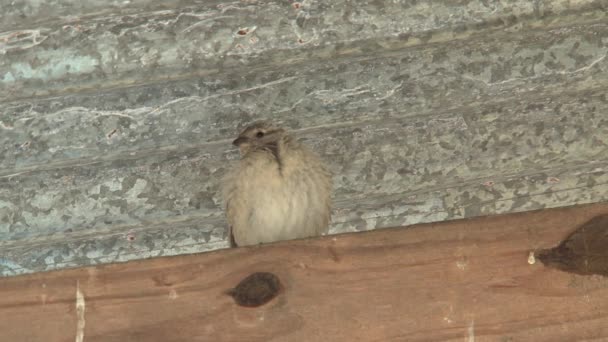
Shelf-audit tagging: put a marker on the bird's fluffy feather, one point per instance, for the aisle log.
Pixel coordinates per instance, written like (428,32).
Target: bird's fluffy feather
(278,194)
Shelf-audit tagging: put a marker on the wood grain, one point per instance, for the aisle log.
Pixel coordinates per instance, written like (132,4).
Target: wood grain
(469,280)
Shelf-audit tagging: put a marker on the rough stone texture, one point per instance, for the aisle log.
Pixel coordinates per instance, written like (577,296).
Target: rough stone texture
(116,118)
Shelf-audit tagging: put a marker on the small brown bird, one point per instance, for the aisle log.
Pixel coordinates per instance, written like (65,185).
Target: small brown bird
(279,190)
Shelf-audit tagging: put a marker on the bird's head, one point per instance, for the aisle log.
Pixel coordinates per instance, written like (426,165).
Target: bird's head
(258,135)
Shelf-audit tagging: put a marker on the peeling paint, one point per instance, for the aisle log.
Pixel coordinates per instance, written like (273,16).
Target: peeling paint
(60,64)
(80,311)
(470,332)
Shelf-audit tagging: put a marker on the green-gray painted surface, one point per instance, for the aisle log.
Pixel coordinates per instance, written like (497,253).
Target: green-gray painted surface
(116,117)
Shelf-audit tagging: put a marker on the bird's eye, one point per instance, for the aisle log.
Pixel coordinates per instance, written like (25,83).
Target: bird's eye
(259,134)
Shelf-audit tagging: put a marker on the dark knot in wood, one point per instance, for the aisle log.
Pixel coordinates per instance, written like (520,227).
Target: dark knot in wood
(584,252)
(256,289)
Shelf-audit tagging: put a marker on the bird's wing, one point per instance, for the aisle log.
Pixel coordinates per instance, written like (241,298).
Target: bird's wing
(231,238)
(230,213)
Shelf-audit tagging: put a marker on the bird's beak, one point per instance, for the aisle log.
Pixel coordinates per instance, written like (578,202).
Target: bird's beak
(240,140)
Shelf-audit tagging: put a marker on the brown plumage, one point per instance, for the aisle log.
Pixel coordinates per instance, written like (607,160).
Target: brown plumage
(280,190)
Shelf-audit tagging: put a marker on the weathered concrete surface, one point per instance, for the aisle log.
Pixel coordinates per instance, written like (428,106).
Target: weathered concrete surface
(116,121)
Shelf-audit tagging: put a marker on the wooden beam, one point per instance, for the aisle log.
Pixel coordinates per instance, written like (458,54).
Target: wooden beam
(471,280)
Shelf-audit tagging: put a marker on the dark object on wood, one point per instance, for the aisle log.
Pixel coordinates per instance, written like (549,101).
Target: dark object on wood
(584,252)
(255,290)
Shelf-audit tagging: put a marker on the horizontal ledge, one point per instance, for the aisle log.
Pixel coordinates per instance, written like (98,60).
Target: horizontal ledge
(136,143)
(100,53)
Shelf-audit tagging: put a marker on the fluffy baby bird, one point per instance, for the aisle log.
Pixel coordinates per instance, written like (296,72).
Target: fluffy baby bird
(280,190)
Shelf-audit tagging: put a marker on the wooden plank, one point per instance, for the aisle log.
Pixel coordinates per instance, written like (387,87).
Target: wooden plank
(469,279)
